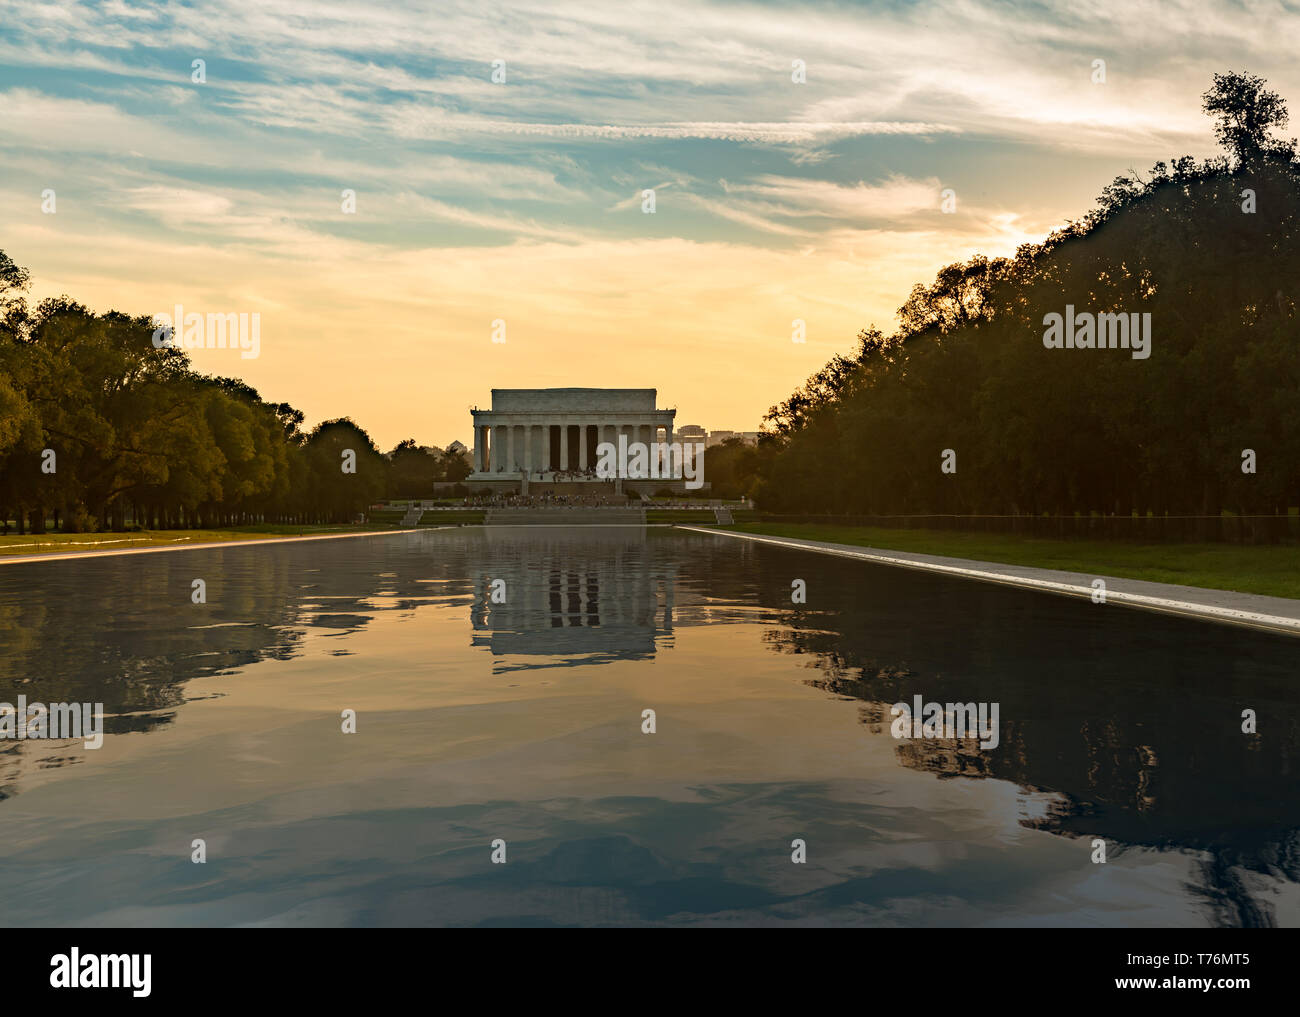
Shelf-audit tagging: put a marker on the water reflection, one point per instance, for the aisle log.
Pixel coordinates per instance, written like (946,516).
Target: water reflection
(1132,721)
(500,675)
(572,597)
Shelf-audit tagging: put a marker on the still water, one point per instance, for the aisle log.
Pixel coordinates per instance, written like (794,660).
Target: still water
(522,722)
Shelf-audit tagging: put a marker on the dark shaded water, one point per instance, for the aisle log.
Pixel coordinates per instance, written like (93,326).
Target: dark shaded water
(522,721)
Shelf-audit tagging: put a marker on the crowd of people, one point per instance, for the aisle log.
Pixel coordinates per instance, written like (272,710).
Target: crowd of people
(545,499)
(584,474)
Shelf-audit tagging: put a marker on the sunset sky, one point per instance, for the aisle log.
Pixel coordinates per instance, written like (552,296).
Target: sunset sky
(522,201)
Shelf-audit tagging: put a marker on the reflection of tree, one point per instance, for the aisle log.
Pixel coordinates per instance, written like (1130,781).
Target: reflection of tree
(123,631)
(1131,719)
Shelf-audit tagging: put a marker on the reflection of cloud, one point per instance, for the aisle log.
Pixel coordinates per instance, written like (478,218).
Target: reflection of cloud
(26,764)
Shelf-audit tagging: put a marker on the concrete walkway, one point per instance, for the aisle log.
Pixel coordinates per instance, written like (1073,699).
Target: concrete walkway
(1276,614)
(14,559)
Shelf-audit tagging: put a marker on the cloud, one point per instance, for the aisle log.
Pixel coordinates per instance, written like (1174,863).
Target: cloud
(479,200)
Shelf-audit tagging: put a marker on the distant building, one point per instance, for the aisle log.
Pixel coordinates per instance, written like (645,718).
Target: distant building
(691,435)
(718,437)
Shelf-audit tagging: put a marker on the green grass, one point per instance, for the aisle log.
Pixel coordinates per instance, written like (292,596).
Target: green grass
(53,543)
(1273,570)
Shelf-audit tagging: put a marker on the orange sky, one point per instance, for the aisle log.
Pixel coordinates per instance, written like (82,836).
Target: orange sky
(522,200)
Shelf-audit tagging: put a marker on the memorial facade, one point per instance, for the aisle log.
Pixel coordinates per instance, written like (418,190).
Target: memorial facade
(551,435)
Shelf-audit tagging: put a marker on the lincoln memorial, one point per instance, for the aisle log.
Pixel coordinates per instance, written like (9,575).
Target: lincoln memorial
(549,436)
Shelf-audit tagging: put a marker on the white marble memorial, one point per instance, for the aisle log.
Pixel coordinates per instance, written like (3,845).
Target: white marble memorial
(551,434)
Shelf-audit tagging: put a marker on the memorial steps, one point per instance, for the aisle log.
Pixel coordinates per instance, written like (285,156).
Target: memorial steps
(565,515)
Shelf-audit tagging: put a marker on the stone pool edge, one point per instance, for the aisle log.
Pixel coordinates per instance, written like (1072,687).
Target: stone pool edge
(14,559)
(1251,610)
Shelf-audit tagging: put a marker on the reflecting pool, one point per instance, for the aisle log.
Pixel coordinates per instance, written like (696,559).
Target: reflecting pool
(500,678)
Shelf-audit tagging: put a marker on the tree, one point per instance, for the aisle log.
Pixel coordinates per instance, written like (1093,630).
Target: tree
(413,471)
(1245,111)
(347,472)
(1047,430)
(135,431)
(13,281)
(455,465)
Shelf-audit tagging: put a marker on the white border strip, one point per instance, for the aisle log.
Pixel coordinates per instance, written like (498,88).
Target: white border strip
(205,546)
(1229,615)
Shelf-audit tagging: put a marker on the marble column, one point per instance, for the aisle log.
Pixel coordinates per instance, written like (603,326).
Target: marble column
(601,438)
(564,446)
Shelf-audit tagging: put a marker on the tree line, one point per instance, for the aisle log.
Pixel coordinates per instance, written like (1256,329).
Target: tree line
(99,429)
(964,409)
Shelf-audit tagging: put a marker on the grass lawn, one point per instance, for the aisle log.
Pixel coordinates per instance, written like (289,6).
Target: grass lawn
(1271,570)
(52,543)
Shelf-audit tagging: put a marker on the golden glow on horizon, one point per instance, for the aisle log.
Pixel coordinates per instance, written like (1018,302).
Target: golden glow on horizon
(401,340)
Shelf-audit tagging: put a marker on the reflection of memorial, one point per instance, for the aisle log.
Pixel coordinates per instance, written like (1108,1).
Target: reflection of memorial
(577,597)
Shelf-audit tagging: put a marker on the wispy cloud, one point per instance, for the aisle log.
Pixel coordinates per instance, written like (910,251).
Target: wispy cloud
(479,199)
